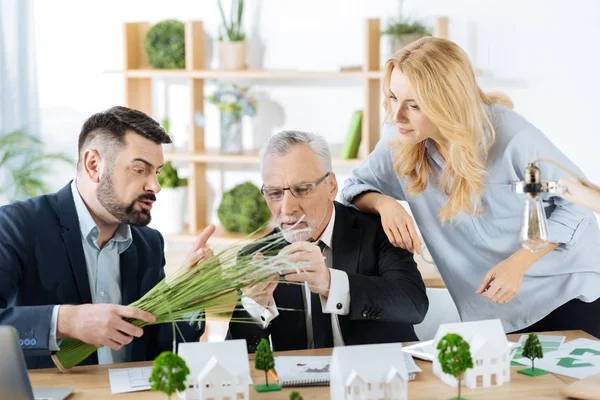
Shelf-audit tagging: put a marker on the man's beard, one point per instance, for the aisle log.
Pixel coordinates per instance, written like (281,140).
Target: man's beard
(301,234)
(125,213)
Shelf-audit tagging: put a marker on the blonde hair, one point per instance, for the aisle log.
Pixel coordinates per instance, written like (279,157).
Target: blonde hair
(446,91)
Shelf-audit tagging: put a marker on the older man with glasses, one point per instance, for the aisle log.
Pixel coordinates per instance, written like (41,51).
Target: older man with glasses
(356,288)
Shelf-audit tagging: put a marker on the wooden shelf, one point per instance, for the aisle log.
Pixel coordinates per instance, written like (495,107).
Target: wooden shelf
(248,157)
(220,236)
(247,74)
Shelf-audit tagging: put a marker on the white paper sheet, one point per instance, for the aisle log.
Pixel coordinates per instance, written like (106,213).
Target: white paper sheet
(124,380)
(578,359)
(425,350)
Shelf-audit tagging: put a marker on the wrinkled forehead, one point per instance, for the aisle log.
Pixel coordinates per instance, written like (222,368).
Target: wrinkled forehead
(288,170)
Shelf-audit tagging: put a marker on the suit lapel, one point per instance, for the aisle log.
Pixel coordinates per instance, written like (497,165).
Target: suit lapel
(72,239)
(346,241)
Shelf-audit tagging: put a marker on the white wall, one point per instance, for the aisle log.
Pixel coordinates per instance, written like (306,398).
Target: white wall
(543,53)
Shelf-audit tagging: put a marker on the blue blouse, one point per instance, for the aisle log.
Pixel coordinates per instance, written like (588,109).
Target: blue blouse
(467,247)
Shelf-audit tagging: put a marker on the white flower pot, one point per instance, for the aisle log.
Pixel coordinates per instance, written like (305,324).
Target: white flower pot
(168,211)
(232,55)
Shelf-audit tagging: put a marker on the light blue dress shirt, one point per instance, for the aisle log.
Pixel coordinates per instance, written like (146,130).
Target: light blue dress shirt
(103,269)
(466,248)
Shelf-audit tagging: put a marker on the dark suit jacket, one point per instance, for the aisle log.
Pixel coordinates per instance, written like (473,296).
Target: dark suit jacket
(42,264)
(387,293)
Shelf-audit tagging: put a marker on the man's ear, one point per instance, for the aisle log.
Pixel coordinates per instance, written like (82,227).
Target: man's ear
(92,163)
(333,186)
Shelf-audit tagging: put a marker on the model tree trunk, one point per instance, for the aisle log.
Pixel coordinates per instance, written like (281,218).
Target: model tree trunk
(267,378)
(459,385)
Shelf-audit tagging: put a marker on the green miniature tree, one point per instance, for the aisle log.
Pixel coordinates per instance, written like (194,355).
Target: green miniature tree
(169,373)
(295,396)
(532,349)
(264,361)
(455,357)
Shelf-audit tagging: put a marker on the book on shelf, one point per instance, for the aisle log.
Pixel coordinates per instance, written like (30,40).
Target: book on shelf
(353,138)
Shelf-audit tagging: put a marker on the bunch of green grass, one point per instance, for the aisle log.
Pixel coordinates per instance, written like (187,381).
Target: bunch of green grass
(212,283)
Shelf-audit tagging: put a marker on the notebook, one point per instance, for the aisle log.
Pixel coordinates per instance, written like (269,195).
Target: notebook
(314,370)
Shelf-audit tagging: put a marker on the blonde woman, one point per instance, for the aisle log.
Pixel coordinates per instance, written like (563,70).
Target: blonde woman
(451,151)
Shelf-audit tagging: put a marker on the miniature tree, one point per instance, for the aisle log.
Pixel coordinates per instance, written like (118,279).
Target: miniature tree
(169,373)
(532,349)
(295,396)
(455,357)
(264,361)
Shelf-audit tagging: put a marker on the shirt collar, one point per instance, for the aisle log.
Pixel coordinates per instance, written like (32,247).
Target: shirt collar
(327,234)
(89,229)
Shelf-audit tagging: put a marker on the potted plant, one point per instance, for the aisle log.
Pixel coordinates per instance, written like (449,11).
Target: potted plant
(23,164)
(165,44)
(402,32)
(232,44)
(243,209)
(168,211)
(233,103)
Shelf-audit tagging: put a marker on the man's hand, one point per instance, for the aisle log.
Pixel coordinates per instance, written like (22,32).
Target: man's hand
(198,252)
(101,324)
(262,293)
(315,272)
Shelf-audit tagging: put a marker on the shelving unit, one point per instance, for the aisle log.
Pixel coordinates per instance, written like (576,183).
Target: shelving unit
(138,77)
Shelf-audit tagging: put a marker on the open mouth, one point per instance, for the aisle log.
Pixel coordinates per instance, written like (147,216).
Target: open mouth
(146,204)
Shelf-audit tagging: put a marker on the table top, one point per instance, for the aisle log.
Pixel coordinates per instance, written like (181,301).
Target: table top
(91,382)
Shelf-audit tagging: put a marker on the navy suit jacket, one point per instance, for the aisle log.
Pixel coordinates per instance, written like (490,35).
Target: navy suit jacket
(42,264)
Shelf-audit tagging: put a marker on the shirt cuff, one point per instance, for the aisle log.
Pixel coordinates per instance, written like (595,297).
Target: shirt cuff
(194,323)
(260,314)
(338,301)
(53,345)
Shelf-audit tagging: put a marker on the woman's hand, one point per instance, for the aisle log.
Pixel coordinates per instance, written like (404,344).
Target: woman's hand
(503,282)
(398,224)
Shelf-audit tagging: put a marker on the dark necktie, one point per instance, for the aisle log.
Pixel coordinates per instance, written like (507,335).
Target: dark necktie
(321,323)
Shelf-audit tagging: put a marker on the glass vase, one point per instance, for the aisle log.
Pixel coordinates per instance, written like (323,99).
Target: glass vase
(231,133)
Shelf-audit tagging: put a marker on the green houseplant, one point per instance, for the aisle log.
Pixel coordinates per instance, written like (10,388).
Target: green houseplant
(402,32)
(165,44)
(23,164)
(169,210)
(232,44)
(243,209)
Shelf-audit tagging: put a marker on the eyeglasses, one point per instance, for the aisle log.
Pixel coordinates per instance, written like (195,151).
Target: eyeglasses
(300,191)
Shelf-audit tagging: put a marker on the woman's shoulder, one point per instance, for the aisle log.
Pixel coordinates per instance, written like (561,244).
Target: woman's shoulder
(509,126)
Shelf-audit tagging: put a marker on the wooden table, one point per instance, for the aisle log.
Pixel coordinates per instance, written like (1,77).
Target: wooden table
(92,382)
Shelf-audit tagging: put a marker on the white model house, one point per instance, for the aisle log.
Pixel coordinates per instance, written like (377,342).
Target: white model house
(489,350)
(218,371)
(366,372)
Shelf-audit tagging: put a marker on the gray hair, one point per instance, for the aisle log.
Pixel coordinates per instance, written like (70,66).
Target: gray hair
(282,143)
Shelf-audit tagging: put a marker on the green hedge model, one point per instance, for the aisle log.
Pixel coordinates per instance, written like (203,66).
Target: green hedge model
(165,44)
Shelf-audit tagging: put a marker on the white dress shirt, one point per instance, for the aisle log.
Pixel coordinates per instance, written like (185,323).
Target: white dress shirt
(338,302)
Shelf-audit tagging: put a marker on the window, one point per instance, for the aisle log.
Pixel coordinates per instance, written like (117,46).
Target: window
(207,385)
(504,357)
(369,387)
(479,362)
(226,398)
(494,381)
(349,390)
(240,396)
(479,381)
(505,373)
(382,386)
(356,391)
(494,361)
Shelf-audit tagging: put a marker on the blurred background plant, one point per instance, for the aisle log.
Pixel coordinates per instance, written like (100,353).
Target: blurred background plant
(234,99)
(165,44)
(24,164)
(243,209)
(232,27)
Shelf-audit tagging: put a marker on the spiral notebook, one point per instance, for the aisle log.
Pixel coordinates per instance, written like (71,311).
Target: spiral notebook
(314,370)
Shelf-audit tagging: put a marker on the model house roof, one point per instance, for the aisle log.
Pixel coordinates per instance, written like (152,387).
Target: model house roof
(477,334)
(231,355)
(371,363)
(214,368)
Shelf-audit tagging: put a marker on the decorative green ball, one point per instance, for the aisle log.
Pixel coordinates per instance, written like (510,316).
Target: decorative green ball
(165,44)
(243,209)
